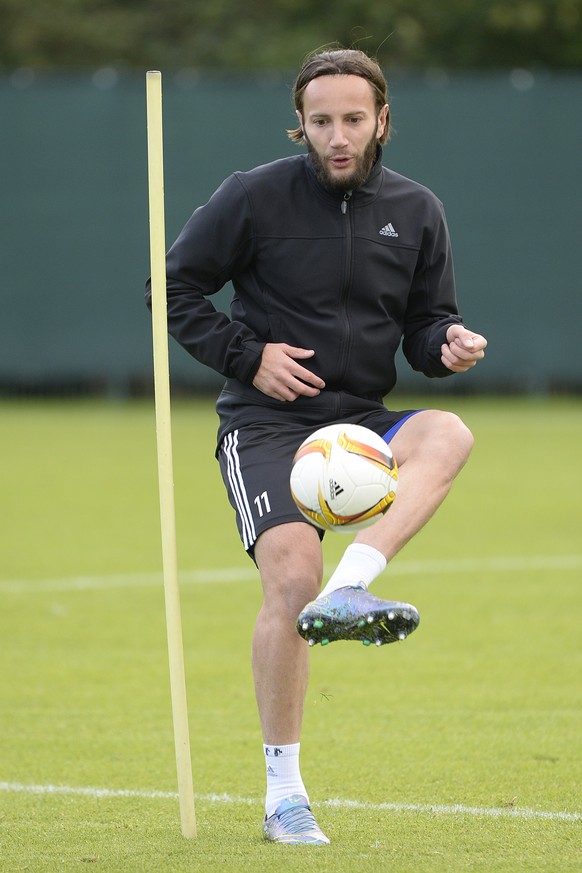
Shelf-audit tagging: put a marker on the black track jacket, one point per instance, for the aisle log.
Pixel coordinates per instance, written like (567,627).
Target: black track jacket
(348,277)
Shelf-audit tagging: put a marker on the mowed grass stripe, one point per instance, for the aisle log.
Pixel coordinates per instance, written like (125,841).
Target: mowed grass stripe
(336,803)
(500,564)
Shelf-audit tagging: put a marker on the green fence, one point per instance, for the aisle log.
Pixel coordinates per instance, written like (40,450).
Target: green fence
(503,152)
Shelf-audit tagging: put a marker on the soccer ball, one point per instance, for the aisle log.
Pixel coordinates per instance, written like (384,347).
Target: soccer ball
(344,477)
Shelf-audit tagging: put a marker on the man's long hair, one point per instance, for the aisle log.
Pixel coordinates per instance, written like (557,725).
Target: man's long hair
(340,62)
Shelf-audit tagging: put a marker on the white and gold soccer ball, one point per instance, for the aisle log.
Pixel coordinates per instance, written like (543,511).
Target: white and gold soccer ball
(344,477)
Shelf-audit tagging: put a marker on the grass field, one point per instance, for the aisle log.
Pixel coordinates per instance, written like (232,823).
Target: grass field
(456,751)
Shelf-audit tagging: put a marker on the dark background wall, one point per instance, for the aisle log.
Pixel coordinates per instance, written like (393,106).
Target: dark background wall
(503,152)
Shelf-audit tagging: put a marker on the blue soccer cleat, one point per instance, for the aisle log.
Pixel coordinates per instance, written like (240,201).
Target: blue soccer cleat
(293,823)
(352,613)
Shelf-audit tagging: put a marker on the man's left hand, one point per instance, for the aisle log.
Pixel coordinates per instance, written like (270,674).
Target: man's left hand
(462,349)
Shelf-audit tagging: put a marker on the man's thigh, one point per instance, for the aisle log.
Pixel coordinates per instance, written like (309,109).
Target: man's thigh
(428,430)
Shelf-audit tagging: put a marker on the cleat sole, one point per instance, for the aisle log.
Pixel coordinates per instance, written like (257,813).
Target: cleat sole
(381,622)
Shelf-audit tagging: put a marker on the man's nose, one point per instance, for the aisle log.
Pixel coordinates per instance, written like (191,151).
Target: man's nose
(338,136)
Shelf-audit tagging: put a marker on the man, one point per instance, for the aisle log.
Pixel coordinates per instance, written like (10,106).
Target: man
(334,259)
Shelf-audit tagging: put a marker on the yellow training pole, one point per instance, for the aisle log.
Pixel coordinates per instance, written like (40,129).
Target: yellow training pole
(164,443)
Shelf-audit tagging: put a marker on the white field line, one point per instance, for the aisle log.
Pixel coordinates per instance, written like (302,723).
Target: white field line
(218,575)
(337,803)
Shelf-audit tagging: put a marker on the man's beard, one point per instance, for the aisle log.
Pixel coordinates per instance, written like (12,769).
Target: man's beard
(348,183)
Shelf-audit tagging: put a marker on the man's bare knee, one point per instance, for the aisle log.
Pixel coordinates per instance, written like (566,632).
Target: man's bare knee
(458,437)
(450,444)
(290,562)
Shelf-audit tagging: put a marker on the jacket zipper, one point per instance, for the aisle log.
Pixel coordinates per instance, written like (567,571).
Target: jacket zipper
(345,290)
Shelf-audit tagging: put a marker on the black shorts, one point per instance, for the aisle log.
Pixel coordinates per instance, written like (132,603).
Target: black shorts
(255,462)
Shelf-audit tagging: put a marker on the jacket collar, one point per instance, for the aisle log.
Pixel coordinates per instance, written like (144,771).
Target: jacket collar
(367,191)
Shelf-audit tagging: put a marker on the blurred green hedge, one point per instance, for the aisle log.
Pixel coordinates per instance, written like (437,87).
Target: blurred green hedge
(243,36)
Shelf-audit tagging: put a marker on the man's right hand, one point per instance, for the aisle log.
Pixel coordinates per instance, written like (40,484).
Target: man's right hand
(281,376)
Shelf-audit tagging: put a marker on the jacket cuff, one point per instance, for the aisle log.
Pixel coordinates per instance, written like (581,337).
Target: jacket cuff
(251,361)
(438,369)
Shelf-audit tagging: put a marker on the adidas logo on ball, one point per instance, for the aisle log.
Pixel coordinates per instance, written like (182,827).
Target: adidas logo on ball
(335,489)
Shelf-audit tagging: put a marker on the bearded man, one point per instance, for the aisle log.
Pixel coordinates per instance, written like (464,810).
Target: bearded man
(335,260)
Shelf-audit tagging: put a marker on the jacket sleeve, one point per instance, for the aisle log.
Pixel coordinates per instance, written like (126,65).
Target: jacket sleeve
(215,244)
(432,303)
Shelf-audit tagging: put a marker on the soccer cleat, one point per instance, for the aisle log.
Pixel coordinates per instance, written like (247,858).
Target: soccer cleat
(352,613)
(293,823)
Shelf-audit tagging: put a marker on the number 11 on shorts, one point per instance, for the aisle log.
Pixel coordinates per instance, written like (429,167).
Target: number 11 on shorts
(262,503)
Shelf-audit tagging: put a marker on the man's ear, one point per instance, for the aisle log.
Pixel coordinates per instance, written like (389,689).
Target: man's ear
(383,117)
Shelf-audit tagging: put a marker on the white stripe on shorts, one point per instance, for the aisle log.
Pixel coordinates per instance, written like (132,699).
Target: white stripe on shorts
(239,492)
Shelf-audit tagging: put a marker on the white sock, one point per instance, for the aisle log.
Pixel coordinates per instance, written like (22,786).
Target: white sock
(359,566)
(283,775)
